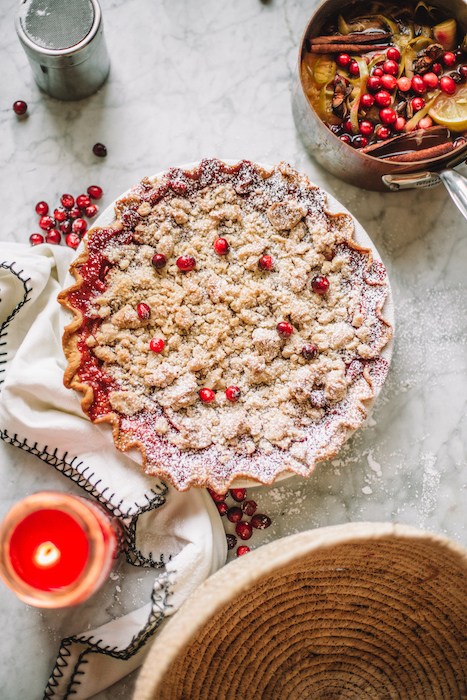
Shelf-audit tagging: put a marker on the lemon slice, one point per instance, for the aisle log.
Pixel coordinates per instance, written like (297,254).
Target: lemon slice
(451,110)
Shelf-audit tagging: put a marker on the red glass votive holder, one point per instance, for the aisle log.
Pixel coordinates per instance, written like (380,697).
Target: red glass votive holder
(57,549)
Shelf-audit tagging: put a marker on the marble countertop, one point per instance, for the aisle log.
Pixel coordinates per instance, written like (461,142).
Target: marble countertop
(200,79)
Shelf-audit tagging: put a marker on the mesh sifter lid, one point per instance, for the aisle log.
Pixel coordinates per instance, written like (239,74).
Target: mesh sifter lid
(56,24)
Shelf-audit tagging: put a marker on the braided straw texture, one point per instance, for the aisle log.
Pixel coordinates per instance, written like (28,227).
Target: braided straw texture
(363,611)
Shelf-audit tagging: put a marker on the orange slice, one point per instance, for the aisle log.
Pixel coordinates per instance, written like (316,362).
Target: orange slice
(451,110)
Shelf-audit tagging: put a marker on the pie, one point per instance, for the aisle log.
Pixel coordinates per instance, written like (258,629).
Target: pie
(226,325)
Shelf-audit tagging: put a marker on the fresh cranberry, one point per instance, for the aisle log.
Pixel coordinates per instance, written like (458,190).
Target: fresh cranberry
(67,201)
(186,263)
(359,141)
(20,108)
(437,68)
(233,393)
(447,85)
(249,507)
(72,240)
(231,541)
(320,284)
(99,150)
(418,86)
(463,70)
(391,67)
(221,246)
(94,192)
(383,133)
(53,236)
(60,214)
(260,521)
(91,211)
(266,262)
(244,530)
(388,82)
(143,311)
(79,226)
(378,71)
(65,226)
(399,124)
(234,514)
(36,239)
(383,98)
(418,103)
(42,208)
(367,100)
(157,345)
(379,58)
(449,59)
(459,54)
(431,80)
(345,138)
(353,68)
(388,116)
(243,549)
(284,329)
(158,261)
(404,84)
(393,54)
(217,497)
(46,223)
(348,126)
(83,201)
(222,508)
(74,213)
(238,495)
(366,128)
(309,352)
(207,395)
(425,122)
(343,60)
(374,83)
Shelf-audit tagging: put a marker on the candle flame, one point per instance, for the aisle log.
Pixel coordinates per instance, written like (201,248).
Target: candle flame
(47,554)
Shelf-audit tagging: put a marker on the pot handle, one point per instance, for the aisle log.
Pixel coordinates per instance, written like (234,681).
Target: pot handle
(456,185)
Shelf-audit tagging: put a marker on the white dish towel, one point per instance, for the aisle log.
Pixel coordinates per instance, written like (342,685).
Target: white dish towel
(179,535)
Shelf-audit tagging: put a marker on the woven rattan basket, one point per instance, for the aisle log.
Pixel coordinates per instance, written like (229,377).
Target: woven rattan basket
(364,611)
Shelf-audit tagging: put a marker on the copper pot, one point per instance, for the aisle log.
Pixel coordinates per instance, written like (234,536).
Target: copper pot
(362,169)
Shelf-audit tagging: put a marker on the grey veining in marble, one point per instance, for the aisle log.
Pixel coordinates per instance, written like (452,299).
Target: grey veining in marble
(213,78)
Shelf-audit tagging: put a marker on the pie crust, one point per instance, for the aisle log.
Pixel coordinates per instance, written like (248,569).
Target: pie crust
(219,325)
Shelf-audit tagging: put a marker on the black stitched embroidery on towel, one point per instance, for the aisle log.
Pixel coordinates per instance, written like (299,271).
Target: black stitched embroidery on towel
(6,323)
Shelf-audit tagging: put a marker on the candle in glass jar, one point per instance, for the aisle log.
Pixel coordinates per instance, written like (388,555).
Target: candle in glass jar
(57,549)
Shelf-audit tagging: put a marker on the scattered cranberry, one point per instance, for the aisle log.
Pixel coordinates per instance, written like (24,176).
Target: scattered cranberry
(367,100)
(348,126)
(379,58)
(53,236)
(345,138)
(309,352)
(60,214)
(157,344)
(234,514)
(94,192)
(320,284)
(74,213)
(238,495)
(244,530)
(393,54)
(383,98)
(36,239)
(233,393)
(67,201)
(437,68)
(186,263)
(343,60)
(388,116)
(20,108)
(231,541)
(418,86)
(249,507)
(91,211)
(404,84)
(383,132)
(266,262)
(378,71)
(158,261)
(418,103)
(65,226)
(447,85)
(425,122)
(388,82)
(359,141)
(217,497)
(243,549)
(284,329)
(83,201)
(374,83)
(221,246)
(463,70)
(366,128)
(449,59)
(72,240)
(260,521)
(222,508)
(42,208)
(459,54)
(431,80)
(46,223)
(207,395)
(391,67)
(399,124)
(79,226)
(354,68)
(99,150)
(143,311)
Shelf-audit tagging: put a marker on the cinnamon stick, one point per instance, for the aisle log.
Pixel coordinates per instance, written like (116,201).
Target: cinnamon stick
(346,48)
(424,154)
(351,38)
